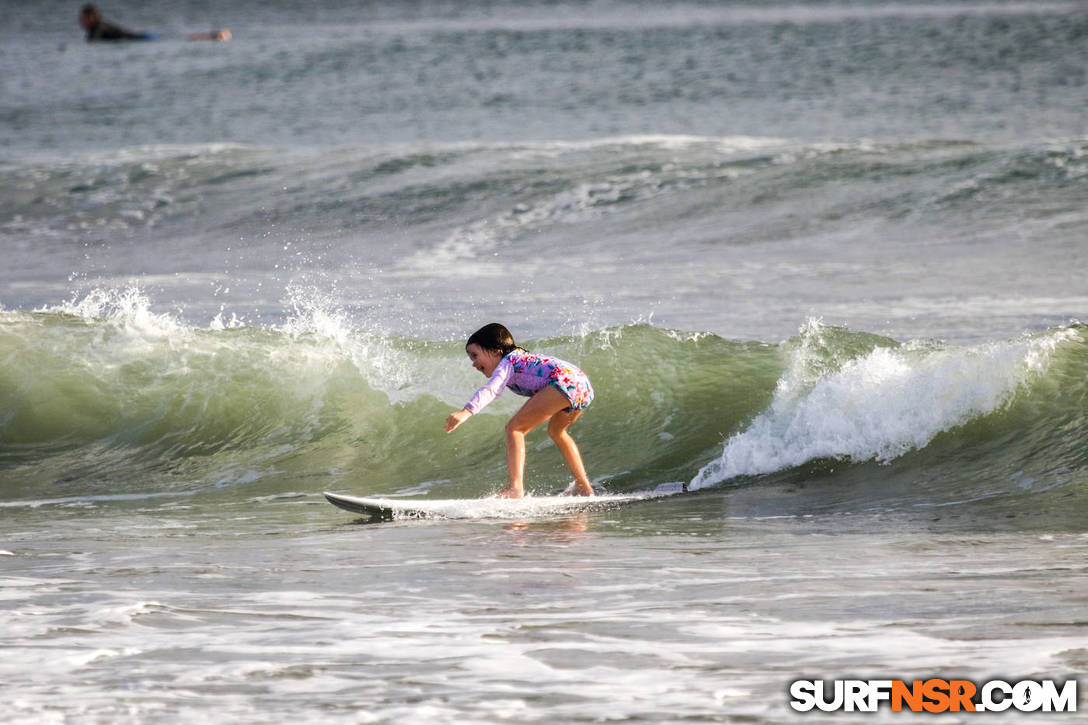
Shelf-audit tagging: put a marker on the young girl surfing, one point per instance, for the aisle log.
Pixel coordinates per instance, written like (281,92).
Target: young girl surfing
(558,392)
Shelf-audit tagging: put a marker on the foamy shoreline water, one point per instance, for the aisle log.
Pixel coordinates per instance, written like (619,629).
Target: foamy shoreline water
(485,623)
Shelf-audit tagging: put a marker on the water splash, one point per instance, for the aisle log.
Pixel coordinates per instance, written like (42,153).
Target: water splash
(878,405)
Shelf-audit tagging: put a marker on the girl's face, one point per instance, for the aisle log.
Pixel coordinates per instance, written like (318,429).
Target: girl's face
(483,360)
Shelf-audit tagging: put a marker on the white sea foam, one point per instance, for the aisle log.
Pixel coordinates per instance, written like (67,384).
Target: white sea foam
(670,142)
(878,406)
(128,308)
(318,315)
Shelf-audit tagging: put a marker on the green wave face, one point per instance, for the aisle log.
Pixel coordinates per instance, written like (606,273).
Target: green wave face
(104,396)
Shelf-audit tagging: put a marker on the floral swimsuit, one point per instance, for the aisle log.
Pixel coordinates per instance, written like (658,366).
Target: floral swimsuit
(526,373)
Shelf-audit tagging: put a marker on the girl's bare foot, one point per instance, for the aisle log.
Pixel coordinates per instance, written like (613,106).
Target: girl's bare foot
(511,492)
(579,489)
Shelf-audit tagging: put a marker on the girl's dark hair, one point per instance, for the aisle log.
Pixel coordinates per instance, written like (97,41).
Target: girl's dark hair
(493,337)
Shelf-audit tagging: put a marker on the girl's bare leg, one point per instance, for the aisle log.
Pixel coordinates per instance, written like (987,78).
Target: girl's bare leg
(557,429)
(541,407)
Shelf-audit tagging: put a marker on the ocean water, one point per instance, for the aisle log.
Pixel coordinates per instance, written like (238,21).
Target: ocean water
(823,262)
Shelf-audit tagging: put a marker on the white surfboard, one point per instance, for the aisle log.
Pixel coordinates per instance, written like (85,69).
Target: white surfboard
(389,509)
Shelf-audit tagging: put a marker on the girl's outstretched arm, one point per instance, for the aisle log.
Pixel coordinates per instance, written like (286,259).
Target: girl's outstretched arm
(494,387)
(483,396)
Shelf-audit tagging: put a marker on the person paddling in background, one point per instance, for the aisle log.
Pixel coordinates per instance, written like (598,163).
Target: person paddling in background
(558,392)
(98,29)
